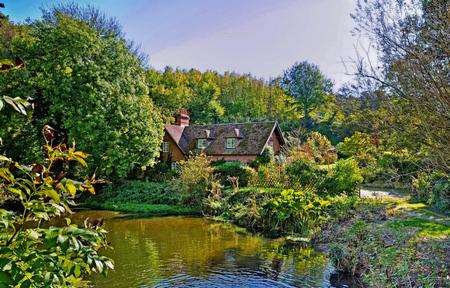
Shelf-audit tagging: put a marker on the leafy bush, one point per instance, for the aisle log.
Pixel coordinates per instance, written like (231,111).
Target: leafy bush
(397,167)
(266,157)
(93,89)
(304,173)
(432,188)
(225,170)
(317,149)
(344,177)
(196,181)
(271,175)
(358,146)
(32,256)
(150,198)
(138,192)
(293,211)
(277,211)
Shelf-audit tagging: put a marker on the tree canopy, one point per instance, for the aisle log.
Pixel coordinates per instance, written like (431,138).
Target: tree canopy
(212,97)
(306,83)
(88,86)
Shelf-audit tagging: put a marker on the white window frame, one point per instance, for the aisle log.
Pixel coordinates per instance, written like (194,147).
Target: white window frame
(230,143)
(165,147)
(202,143)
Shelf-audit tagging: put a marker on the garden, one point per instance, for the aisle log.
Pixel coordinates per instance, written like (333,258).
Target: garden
(82,119)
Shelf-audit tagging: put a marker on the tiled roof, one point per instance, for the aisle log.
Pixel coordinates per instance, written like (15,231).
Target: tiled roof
(251,137)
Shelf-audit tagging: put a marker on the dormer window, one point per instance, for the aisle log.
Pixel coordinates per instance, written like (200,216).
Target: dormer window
(230,143)
(201,143)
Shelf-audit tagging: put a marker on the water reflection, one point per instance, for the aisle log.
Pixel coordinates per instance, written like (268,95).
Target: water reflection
(196,252)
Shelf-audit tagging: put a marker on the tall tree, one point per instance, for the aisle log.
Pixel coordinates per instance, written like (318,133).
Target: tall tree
(90,87)
(308,85)
(411,38)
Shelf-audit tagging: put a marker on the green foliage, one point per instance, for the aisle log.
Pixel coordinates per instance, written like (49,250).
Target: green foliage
(271,175)
(32,256)
(266,157)
(304,173)
(344,177)
(93,90)
(212,97)
(306,83)
(391,254)
(359,146)
(293,211)
(224,171)
(137,192)
(433,188)
(316,149)
(277,211)
(196,181)
(149,198)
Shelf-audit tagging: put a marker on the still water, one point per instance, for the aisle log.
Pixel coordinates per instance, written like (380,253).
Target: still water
(197,252)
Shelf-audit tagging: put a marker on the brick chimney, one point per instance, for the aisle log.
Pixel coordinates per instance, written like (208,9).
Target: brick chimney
(182,118)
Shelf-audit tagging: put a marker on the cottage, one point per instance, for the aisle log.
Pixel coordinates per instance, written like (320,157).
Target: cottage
(230,142)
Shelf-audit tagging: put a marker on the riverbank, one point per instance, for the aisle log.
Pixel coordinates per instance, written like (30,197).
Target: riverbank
(145,209)
(390,242)
(138,197)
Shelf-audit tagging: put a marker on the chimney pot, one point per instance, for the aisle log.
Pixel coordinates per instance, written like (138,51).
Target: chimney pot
(182,118)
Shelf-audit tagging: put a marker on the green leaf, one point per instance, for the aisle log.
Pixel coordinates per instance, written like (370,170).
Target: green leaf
(34,234)
(77,270)
(7,267)
(52,194)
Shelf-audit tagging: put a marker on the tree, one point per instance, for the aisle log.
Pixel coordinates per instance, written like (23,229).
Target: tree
(213,97)
(88,86)
(30,196)
(411,41)
(306,83)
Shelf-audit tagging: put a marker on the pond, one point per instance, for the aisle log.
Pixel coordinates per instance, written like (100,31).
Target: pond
(197,252)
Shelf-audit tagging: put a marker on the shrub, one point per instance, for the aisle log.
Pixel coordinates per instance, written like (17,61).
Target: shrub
(196,180)
(225,170)
(344,177)
(304,173)
(391,254)
(161,172)
(397,167)
(293,211)
(432,188)
(271,175)
(35,255)
(359,146)
(317,149)
(266,157)
(138,192)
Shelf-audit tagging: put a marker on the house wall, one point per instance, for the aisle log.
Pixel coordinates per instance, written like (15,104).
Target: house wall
(174,154)
(274,142)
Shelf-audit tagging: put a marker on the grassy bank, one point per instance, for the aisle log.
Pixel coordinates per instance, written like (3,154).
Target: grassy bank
(146,198)
(390,243)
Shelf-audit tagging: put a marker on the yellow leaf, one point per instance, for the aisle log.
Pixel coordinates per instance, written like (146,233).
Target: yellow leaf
(52,194)
(71,188)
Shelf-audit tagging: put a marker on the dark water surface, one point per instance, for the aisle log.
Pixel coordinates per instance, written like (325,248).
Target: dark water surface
(196,252)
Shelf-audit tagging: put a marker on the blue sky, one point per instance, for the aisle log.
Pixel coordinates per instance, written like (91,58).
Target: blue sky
(261,37)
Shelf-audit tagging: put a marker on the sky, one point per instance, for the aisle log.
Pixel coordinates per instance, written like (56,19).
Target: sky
(261,37)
